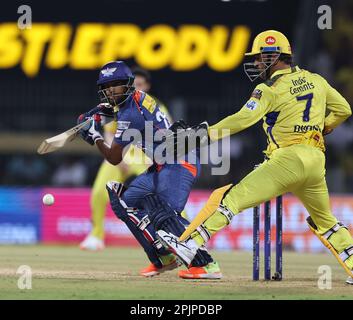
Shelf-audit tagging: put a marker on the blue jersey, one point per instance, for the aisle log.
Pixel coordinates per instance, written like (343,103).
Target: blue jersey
(141,113)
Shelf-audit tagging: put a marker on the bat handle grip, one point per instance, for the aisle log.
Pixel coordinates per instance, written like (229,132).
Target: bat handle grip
(93,111)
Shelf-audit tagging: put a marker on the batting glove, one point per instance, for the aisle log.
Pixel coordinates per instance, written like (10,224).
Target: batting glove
(91,133)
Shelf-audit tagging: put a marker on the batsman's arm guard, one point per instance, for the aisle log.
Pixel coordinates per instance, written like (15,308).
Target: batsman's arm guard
(325,241)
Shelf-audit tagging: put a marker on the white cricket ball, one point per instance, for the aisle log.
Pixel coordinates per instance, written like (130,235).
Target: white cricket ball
(48,199)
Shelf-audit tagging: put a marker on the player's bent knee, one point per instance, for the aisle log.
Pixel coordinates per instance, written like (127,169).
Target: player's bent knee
(138,223)
(115,191)
(162,216)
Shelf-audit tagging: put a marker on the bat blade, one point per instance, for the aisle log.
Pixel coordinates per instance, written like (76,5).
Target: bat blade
(58,141)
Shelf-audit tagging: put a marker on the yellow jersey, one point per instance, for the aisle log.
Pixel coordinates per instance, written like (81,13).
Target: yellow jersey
(292,103)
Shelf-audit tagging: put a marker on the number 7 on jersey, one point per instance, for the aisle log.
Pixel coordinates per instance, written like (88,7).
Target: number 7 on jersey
(308,97)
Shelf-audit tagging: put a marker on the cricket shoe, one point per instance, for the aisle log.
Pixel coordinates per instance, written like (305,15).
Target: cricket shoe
(349,280)
(182,249)
(209,271)
(169,263)
(92,243)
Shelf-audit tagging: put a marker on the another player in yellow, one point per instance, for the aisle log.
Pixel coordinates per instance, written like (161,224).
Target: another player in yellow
(292,103)
(131,166)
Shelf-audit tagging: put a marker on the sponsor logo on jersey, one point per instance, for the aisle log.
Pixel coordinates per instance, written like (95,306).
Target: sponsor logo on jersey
(301,128)
(149,103)
(123,125)
(270,40)
(251,104)
(300,85)
(257,94)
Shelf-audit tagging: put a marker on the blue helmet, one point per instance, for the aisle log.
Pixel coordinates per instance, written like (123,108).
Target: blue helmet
(115,74)
(114,71)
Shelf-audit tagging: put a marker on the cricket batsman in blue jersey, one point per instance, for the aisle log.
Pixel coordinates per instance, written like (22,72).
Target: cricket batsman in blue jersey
(154,200)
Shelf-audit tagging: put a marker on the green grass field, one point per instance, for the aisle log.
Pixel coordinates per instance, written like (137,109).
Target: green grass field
(68,273)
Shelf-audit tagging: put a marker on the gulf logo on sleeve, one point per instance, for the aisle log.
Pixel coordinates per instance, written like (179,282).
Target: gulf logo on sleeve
(251,104)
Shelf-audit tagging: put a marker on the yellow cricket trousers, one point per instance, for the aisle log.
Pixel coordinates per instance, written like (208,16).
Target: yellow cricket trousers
(299,169)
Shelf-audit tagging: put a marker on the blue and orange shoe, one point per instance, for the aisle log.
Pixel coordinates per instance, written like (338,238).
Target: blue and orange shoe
(210,271)
(169,263)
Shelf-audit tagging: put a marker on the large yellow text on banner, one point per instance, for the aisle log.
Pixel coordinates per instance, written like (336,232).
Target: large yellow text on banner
(90,45)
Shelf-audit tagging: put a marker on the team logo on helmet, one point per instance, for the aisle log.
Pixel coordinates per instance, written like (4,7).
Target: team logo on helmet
(270,40)
(108,72)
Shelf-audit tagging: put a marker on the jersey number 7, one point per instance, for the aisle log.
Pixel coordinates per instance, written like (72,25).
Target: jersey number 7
(308,97)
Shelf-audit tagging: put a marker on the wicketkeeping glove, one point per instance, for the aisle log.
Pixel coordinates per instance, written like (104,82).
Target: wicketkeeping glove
(179,125)
(182,141)
(202,131)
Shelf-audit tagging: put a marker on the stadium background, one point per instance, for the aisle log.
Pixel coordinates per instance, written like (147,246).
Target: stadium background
(42,96)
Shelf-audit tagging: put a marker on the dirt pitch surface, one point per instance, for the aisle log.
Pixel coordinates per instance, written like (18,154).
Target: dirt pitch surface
(68,273)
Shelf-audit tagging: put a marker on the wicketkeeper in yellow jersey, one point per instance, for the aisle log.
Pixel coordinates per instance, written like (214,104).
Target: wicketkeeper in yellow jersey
(292,103)
(135,162)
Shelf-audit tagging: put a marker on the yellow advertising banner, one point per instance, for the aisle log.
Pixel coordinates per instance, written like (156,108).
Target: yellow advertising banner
(87,46)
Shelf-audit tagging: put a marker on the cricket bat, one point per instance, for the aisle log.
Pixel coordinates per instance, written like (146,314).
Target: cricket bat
(58,141)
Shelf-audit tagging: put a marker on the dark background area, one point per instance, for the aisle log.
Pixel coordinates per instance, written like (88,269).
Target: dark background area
(50,102)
